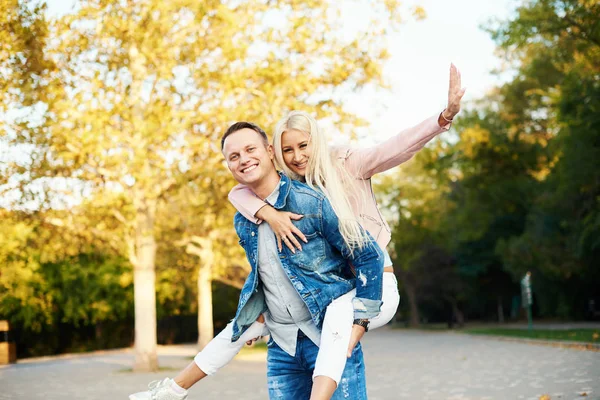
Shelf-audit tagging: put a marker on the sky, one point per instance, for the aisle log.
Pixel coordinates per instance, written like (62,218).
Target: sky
(421,55)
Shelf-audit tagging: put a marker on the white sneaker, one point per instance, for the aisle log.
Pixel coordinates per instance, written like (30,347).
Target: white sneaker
(159,390)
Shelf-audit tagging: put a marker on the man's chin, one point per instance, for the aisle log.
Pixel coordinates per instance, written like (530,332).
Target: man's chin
(248,179)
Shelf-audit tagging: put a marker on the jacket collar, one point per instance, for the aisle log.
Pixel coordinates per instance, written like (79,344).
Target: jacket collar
(285,185)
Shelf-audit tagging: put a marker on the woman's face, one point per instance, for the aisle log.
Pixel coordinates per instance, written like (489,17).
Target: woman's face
(297,149)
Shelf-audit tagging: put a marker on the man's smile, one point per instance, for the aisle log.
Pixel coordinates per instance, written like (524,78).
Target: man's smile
(249,168)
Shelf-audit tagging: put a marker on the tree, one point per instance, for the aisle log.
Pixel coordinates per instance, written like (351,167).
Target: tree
(556,50)
(143,89)
(23,36)
(416,206)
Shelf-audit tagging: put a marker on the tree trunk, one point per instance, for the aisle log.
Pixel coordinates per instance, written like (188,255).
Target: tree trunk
(203,248)
(500,310)
(412,301)
(144,289)
(205,312)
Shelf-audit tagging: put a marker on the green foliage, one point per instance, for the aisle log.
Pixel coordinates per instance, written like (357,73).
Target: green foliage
(571,335)
(518,189)
(81,290)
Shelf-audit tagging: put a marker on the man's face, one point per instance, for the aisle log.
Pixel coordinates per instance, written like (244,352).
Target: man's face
(248,157)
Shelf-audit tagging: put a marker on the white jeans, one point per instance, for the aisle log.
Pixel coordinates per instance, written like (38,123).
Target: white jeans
(335,336)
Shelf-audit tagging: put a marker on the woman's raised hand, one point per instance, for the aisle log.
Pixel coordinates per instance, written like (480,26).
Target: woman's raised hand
(455,94)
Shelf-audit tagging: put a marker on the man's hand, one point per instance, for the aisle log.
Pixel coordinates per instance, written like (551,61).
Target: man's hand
(455,94)
(281,224)
(355,336)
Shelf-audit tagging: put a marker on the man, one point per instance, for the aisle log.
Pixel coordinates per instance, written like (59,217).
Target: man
(292,289)
(316,273)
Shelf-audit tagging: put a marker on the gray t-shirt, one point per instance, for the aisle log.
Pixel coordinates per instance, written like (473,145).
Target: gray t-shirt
(287,312)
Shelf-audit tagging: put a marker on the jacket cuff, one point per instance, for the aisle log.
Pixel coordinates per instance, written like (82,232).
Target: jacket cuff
(366,308)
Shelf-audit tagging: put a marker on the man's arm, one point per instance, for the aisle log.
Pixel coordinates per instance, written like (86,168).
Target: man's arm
(368,263)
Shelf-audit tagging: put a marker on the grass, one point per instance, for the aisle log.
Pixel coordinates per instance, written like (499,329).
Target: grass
(423,327)
(572,335)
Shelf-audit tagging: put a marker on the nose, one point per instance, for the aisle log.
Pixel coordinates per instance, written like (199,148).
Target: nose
(297,155)
(244,158)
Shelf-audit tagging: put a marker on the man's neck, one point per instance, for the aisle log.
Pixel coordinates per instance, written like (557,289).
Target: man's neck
(266,186)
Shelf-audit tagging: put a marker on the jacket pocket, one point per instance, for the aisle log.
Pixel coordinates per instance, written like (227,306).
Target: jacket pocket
(312,254)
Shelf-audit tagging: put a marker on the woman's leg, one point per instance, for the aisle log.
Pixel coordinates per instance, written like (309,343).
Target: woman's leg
(221,350)
(214,356)
(335,337)
(391,300)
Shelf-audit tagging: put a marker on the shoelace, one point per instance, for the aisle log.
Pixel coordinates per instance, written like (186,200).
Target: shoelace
(155,386)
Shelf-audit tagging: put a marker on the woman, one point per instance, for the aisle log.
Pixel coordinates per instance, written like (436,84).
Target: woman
(343,175)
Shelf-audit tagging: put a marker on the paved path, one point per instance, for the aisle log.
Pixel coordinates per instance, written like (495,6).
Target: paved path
(401,364)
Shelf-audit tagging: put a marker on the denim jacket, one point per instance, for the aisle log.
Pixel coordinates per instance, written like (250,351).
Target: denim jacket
(320,272)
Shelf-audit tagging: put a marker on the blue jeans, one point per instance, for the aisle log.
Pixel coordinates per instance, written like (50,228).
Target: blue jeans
(290,378)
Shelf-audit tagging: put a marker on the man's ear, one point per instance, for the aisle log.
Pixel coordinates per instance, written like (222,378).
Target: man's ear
(271,151)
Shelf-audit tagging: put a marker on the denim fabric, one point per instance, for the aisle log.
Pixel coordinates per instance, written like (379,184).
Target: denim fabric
(287,312)
(320,272)
(290,378)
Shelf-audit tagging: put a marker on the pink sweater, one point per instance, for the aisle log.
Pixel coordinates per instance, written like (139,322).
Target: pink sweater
(363,164)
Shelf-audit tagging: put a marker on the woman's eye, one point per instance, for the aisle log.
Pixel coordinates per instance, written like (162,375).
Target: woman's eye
(303,146)
(287,150)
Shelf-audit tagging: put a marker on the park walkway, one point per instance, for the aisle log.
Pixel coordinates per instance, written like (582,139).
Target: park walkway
(401,364)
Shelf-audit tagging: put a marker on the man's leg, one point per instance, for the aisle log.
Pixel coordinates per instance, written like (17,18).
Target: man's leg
(288,377)
(353,384)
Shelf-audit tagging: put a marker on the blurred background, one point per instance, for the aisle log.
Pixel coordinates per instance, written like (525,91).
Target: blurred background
(111,176)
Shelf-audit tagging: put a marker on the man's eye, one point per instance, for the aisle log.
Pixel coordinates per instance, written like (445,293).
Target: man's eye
(233,158)
(251,149)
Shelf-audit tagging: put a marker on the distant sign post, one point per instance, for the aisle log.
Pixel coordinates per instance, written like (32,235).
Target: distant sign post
(526,298)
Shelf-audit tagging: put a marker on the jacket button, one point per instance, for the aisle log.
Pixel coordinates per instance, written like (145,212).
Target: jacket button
(252,233)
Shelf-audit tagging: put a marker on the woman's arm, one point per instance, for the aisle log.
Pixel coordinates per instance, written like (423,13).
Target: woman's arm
(257,210)
(367,162)
(400,148)
(246,202)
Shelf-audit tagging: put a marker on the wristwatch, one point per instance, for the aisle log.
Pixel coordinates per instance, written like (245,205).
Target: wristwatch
(362,322)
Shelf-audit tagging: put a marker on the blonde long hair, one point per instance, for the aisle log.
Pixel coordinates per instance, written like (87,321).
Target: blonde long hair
(324,174)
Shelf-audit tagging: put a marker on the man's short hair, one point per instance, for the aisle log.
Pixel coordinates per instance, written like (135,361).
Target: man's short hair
(244,125)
